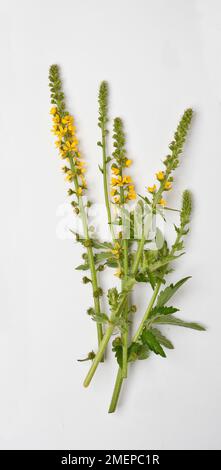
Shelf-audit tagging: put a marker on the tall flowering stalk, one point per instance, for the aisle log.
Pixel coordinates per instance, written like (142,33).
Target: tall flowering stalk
(74,169)
(131,257)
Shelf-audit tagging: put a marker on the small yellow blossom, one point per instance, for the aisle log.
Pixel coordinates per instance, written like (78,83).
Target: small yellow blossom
(53,111)
(131,195)
(56,118)
(117,199)
(117,181)
(167,186)
(127,179)
(67,119)
(162,202)
(70,146)
(79,191)
(115,170)
(128,162)
(160,175)
(116,250)
(69,176)
(113,192)
(152,189)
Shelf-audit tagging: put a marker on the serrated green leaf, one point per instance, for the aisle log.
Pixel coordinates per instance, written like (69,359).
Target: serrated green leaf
(149,338)
(162,339)
(162,311)
(171,320)
(117,349)
(169,291)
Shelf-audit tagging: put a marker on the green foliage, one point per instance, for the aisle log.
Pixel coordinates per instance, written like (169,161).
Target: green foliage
(162,339)
(171,320)
(169,291)
(150,339)
(162,310)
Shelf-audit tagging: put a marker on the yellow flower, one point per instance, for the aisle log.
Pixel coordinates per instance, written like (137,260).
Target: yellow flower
(127,179)
(56,118)
(61,131)
(117,199)
(71,129)
(128,162)
(152,189)
(117,181)
(162,202)
(79,191)
(113,192)
(69,176)
(131,195)
(160,175)
(67,119)
(167,186)
(70,146)
(53,111)
(58,143)
(116,250)
(115,170)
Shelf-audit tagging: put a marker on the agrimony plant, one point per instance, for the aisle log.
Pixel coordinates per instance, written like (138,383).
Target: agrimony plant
(129,253)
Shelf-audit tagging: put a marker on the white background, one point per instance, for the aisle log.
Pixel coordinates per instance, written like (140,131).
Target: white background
(159,56)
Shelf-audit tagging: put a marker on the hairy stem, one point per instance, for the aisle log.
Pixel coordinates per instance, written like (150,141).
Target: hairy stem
(120,377)
(90,255)
(127,287)
(105,183)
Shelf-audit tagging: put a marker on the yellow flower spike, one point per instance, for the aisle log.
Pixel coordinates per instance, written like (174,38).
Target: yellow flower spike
(167,186)
(128,163)
(53,111)
(162,202)
(160,175)
(115,170)
(152,189)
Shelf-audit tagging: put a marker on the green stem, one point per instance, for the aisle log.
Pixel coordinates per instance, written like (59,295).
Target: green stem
(127,287)
(106,194)
(89,253)
(116,392)
(124,335)
(147,312)
(120,378)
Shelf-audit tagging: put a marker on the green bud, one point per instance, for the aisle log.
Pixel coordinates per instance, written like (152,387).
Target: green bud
(90,311)
(186,207)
